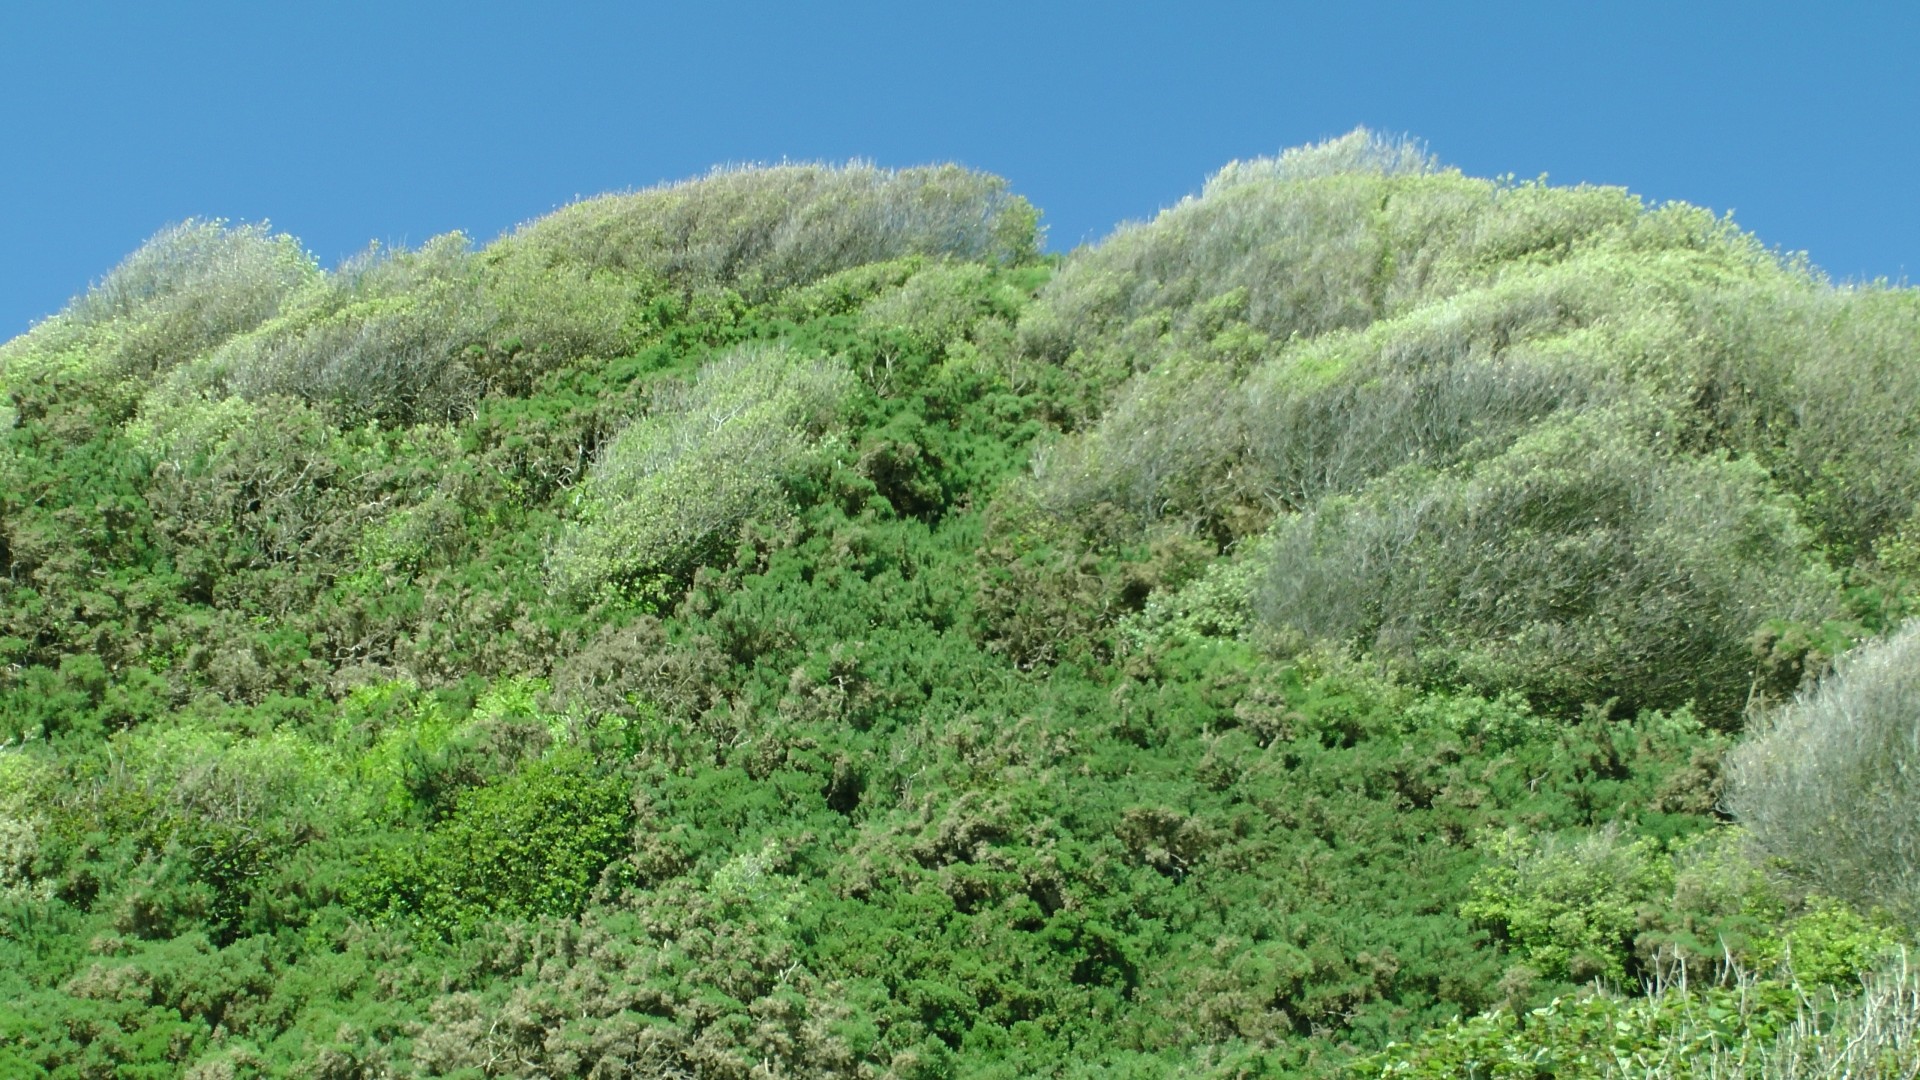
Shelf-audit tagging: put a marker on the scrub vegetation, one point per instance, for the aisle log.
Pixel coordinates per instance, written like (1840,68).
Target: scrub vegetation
(1363,621)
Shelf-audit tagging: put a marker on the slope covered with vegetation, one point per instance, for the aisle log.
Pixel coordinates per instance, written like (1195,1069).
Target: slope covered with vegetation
(1363,620)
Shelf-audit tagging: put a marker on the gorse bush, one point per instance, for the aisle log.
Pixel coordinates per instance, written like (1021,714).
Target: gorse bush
(709,456)
(1570,910)
(761,230)
(1587,563)
(533,843)
(1828,783)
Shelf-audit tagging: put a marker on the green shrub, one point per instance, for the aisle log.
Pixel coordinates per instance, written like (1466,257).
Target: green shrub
(1828,783)
(1767,1029)
(1584,564)
(533,843)
(763,230)
(1323,238)
(1846,441)
(1570,911)
(719,451)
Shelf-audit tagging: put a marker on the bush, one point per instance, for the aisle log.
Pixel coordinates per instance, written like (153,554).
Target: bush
(762,230)
(190,287)
(1829,782)
(1449,382)
(1323,238)
(668,489)
(1174,445)
(1584,564)
(1570,911)
(1765,1028)
(386,338)
(531,844)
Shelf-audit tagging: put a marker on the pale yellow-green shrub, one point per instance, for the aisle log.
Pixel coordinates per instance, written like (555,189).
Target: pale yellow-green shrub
(764,229)
(183,292)
(670,487)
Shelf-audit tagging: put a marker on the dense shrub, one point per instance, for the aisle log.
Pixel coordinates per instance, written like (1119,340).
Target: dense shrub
(1846,440)
(1326,238)
(533,843)
(190,287)
(1587,563)
(1193,441)
(1489,335)
(762,230)
(385,338)
(709,457)
(1828,782)
(1771,1029)
(1570,910)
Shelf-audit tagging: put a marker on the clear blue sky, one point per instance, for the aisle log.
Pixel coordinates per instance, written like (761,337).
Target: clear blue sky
(344,122)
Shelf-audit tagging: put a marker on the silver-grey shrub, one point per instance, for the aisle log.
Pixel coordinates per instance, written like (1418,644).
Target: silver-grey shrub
(186,290)
(764,229)
(1588,562)
(1831,782)
(671,486)
(1321,238)
(384,338)
(1452,381)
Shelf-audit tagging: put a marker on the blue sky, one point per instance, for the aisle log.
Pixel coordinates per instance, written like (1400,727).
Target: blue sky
(346,122)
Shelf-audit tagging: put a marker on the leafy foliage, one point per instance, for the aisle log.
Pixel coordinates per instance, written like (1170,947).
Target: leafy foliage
(779,623)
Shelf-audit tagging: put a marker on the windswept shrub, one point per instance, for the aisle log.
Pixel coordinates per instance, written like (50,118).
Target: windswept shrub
(1829,782)
(669,488)
(762,230)
(1174,445)
(934,307)
(190,287)
(1324,238)
(1587,563)
(385,338)
(1358,151)
(1848,434)
(1454,381)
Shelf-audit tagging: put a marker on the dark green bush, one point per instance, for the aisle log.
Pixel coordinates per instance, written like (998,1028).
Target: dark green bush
(531,844)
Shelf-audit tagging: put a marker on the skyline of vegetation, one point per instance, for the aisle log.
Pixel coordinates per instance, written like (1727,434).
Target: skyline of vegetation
(1365,620)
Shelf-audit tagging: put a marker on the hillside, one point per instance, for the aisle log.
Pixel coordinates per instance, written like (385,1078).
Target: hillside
(1365,620)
